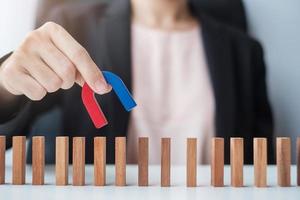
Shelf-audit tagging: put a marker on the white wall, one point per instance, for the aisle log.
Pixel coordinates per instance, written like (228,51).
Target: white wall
(16,19)
(276,24)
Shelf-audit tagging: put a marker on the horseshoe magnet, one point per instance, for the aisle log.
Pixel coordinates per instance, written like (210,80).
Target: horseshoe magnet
(92,106)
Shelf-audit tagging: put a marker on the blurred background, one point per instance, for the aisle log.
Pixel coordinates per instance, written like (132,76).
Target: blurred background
(275,23)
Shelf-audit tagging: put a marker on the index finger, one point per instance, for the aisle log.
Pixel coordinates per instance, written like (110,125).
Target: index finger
(79,56)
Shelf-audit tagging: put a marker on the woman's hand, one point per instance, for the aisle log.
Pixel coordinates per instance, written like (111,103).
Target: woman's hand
(47,60)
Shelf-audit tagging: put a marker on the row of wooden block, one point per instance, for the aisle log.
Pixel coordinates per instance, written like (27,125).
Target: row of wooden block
(283,157)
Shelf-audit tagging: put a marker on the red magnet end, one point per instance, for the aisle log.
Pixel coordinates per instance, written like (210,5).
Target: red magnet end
(92,106)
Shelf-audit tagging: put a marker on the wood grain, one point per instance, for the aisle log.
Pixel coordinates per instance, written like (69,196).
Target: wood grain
(19,158)
(78,161)
(165,162)
(298,161)
(120,162)
(237,161)
(143,158)
(62,160)
(260,161)
(283,159)
(191,162)
(99,161)
(38,160)
(217,162)
(2,158)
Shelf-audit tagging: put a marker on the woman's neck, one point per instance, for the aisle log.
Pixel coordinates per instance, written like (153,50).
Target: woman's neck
(163,14)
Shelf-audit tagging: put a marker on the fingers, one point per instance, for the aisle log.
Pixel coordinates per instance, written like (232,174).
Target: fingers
(49,59)
(60,64)
(22,83)
(79,57)
(79,80)
(41,72)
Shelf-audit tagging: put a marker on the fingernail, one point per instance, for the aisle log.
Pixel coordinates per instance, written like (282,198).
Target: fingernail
(109,88)
(101,87)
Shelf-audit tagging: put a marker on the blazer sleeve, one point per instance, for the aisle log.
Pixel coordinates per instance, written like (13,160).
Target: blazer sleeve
(19,119)
(263,125)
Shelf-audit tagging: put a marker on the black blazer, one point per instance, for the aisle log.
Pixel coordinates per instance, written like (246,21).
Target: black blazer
(235,64)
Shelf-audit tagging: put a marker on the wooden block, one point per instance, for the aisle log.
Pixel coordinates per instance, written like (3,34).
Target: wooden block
(217,162)
(283,158)
(62,160)
(191,162)
(38,160)
(143,158)
(19,159)
(165,162)
(260,161)
(236,161)
(99,161)
(2,158)
(298,161)
(120,162)
(78,161)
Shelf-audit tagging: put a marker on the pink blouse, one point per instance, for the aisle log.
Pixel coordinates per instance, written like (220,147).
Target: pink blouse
(173,91)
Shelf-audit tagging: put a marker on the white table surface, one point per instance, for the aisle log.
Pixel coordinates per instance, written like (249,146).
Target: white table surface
(178,189)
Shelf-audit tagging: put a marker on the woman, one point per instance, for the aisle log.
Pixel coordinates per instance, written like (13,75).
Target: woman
(190,75)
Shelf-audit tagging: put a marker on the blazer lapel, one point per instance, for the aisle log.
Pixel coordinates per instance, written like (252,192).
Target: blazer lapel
(117,34)
(219,58)
(114,30)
